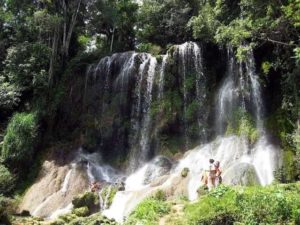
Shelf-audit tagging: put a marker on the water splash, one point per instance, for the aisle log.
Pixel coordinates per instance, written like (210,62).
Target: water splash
(241,163)
(240,90)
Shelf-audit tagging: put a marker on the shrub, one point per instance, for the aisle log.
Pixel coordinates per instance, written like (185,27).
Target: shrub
(4,205)
(109,192)
(95,219)
(148,212)
(20,139)
(277,204)
(243,125)
(88,199)
(160,195)
(7,180)
(81,212)
(26,65)
(185,171)
(150,48)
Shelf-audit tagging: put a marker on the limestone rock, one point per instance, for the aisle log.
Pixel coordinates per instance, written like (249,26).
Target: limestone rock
(54,189)
(241,174)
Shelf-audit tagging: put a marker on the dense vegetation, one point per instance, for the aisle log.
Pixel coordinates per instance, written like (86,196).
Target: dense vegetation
(276,204)
(46,45)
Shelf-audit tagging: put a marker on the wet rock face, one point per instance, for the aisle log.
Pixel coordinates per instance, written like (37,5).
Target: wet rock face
(135,103)
(54,189)
(241,174)
(159,167)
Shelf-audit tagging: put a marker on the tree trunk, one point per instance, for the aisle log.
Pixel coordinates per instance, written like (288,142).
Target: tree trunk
(71,28)
(53,55)
(112,40)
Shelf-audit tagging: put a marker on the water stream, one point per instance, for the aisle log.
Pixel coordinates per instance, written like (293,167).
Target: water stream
(242,163)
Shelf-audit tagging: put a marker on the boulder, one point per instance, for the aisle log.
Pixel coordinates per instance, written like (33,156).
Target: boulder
(89,200)
(160,166)
(241,174)
(81,212)
(54,189)
(185,171)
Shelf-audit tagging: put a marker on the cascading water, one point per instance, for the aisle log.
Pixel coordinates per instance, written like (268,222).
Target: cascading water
(162,79)
(140,116)
(256,90)
(241,163)
(146,122)
(132,82)
(192,72)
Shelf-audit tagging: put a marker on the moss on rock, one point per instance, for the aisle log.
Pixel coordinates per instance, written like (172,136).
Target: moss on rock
(88,199)
(185,171)
(81,212)
(95,219)
(109,193)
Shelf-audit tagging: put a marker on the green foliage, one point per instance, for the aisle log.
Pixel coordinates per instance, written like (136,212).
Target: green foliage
(185,171)
(292,12)
(45,22)
(235,33)
(81,212)
(205,24)
(7,180)
(219,209)
(243,125)
(164,22)
(276,204)
(160,195)
(20,139)
(297,54)
(148,211)
(115,20)
(150,48)
(243,52)
(266,66)
(296,137)
(5,203)
(95,219)
(9,95)
(88,199)
(26,66)
(247,128)
(111,192)
(192,111)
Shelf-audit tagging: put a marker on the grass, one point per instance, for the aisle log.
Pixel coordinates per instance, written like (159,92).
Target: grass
(149,211)
(275,204)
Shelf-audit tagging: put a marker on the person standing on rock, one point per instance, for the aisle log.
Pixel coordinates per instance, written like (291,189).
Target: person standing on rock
(218,179)
(209,174)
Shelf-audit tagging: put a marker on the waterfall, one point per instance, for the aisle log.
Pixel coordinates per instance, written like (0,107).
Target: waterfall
(240,89)
(182,50)
(141,115)
(146,122)
(226,95)
(104,201)
(256,90)
(142,80)
(191,64)
(120,95)
(162,78)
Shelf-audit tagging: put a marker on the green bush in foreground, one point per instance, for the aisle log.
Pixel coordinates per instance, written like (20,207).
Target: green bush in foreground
(87,199)
(20,139)
(7,180)
(276,204)
(4,205)
(149,211)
